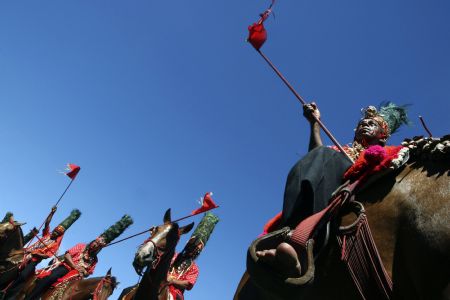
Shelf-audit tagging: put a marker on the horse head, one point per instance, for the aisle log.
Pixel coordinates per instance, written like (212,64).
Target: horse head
(105,287)
(162,242)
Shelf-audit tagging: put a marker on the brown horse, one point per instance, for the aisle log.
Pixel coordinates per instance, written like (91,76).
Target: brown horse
(96,288)
(409,216)
(155,254)
(11,253)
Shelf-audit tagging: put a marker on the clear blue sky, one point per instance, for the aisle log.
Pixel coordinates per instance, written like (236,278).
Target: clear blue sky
(162,101)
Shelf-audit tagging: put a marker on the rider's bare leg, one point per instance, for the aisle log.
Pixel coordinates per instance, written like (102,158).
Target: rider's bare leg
(284,258)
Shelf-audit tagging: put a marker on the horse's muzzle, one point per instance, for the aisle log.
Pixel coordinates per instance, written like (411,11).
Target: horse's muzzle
(144,257)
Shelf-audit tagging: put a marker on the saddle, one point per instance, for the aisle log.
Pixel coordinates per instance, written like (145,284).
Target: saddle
(303,238)
(363,262)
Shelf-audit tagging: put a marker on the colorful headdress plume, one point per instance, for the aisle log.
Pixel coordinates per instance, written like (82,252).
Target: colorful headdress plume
(204,229)
(389,116)
(115,230)
(64,225)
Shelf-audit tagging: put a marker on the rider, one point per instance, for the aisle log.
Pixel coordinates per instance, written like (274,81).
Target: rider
(184,271)
(45,247)
(79,261)
(316,176)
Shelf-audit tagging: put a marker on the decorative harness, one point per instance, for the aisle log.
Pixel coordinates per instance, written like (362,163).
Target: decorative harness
(358,249)
(100,286)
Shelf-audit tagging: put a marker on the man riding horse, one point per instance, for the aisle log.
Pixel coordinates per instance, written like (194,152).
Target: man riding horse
(79,261)
(45,247)
(316,176)
(184,271)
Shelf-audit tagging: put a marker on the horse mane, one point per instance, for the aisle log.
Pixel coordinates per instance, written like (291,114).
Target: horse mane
(422,149)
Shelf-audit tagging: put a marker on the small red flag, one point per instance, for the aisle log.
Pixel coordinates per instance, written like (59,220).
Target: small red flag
(207,204)
(257,34)
(73,171)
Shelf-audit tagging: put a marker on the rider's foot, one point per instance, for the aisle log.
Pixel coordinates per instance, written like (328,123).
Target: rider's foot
(284,258)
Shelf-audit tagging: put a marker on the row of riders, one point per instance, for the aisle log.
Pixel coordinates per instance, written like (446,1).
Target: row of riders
(167,274)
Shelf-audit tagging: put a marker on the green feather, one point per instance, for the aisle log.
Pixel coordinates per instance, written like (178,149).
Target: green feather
(115,230)
(74,215)
(394,115)
(205,227)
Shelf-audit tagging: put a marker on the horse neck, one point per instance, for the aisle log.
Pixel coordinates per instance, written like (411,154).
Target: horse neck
(82,289)
(400,200)
(149,287)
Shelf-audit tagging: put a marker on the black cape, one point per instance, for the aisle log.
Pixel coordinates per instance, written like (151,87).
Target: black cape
(311,182)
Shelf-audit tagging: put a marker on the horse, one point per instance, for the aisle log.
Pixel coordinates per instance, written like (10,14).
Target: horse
(409,216)
(11,253)
(96,288)
(155,254)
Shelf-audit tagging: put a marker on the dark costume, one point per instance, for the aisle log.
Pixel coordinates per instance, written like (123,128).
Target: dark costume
(320,172)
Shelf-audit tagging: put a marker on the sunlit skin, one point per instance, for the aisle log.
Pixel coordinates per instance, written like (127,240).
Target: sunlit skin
(368,132)
(94,248)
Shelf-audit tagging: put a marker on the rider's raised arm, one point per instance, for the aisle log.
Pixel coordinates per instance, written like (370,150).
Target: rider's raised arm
(48,220)
(310,111)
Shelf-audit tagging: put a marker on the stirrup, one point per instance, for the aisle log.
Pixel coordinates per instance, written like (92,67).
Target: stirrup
(265,277)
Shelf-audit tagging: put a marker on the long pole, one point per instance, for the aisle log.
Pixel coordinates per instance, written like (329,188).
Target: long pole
(62,195)
(129,237)
(142,232)
(57,202)
(302,101)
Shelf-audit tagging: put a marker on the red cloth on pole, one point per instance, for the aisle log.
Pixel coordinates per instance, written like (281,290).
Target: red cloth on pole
(73,171)
(207,204)
(257,35)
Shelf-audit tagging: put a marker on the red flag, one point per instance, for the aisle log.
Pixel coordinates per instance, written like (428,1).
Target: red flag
(73,171)
(207,204)
(257,33)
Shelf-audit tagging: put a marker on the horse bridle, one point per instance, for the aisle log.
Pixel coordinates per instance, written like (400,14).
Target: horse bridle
(156,254)
(100,286)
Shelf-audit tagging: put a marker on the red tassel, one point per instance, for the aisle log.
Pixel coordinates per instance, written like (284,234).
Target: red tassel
(344,244)
(257,35)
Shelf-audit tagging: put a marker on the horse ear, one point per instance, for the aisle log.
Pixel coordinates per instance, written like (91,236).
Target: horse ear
(167,219)
(108,274)
(186,229)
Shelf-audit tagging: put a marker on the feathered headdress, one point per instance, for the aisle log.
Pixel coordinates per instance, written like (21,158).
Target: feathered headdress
(203,232)
(389,116)
(64,225)
(115,230)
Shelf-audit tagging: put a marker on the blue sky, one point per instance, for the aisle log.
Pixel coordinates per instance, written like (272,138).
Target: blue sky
(162,101)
